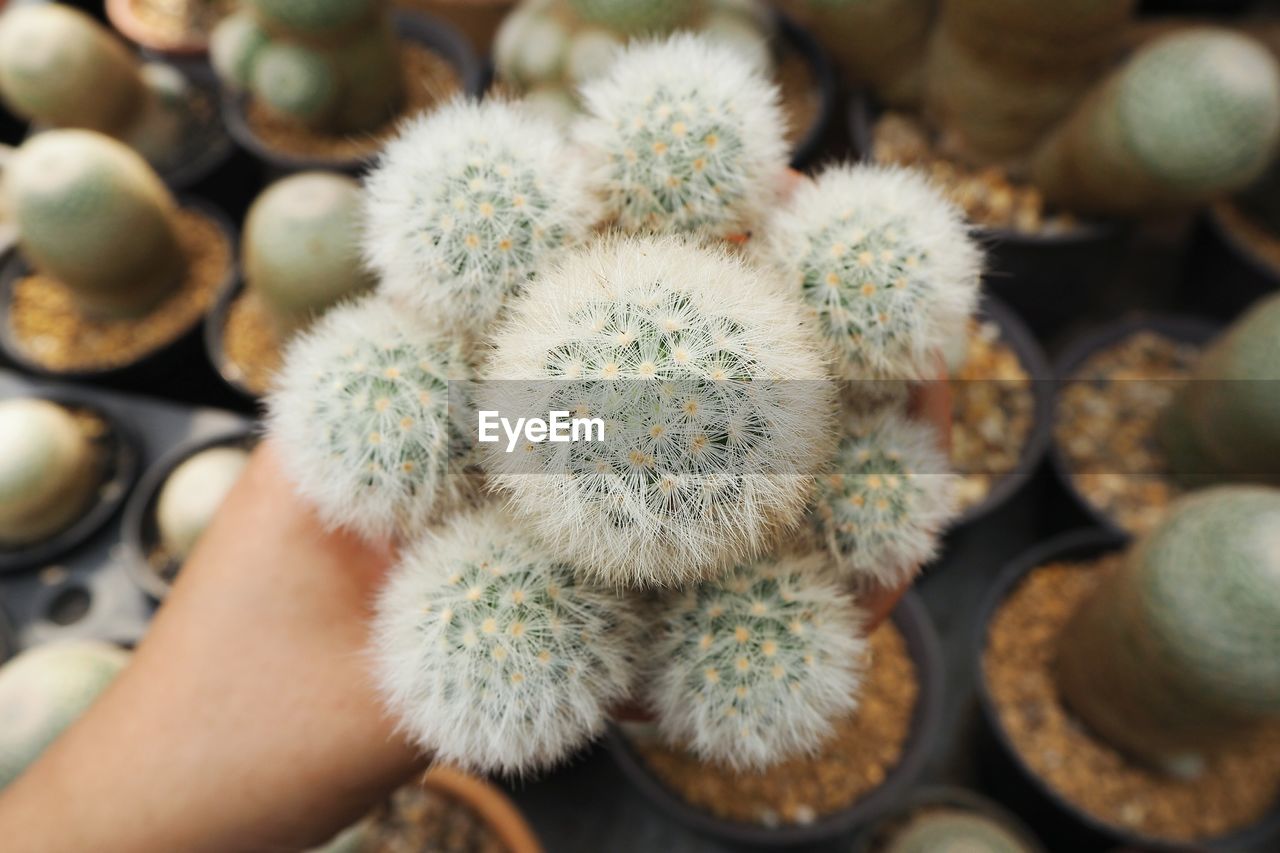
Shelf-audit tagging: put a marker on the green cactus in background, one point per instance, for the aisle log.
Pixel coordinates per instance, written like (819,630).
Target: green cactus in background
(1178,651)
(192,494)
(44,691)
(1191,115)
(1224,425)
(1002,73)
(61,68)
(638,16)
(48,470)
(941,830)
(301,247)
(93,215)
(332,66)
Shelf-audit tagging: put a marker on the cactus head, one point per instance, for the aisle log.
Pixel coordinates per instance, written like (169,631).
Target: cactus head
(638,16)
(48,470)
(234,45)
(313,20)
(530,46)
(192,494)
(93,215)
(885,263)
(684,135)
(60,67)
(301,247)
(951,830)
(43,691)
(466,204)
(886,502)
(492,654)
(361,418)
(297,82)
(1178,651)
(685,353)
(755,668)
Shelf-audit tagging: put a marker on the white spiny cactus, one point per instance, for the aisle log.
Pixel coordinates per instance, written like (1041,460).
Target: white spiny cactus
(361,418)
(492,654)
(884,261)
(684,135)
(887,501)
(464,206)
(691,357)
(755,669)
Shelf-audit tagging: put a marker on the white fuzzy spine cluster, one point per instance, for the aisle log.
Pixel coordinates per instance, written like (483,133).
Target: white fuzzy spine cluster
(684,135)
(492,655)
(884,507)
(884,262)
(756,669)
(696,363)
(361,416)
(465,205)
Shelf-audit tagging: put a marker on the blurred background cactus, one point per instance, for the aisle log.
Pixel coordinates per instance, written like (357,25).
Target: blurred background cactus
(192,494)
(1224,424)
(1189,116)
(92,214)
(43,691)
(49,470)
(332,66)
(60,68)
(1178,651)
(942,830)
(300,250)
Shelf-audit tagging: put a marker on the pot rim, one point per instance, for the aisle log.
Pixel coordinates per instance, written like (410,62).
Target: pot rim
(487,801)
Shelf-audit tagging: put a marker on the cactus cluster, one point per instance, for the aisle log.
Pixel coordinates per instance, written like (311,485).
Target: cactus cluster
(363,421)
(61,68)
(684,136)
(496,656)
(883,261)
(332,66)
(301,247)
(49,471)
(508,628)
(192,494)
(756,666)
(697,366)
(43,691)
(466,204)
(884,505)
(1178,651)
(93,215)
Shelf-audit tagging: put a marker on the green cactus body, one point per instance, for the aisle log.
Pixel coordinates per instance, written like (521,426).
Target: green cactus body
(1003,72)
(530,47)
(1178,651)
(301,249)
(1224,425)
(1191,115)
(48,470)
(192,494)
(638,16)
(233,48)
(44,691)
(952,831)
(59,67)
(314,20)
(298,82)
(93,215)
(879,43)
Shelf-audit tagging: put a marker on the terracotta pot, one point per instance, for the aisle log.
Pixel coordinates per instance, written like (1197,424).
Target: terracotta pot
(125,19)
(489,803)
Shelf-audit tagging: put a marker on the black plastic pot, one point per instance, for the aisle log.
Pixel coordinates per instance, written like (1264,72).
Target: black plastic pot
(182,357)
(424,30)
(1018,786)
(870,839)
(800,40)
(1190,330)
(139,533)
(1049,279)
(1225,275)
(1015,333)
(922,644)
(120,464)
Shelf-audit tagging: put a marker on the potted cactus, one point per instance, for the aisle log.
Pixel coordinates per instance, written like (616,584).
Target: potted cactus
(59,68)
(942,819)
(1145,703)
(111,273)
(43,691)
(299,255)
(546,50)
(513,281)
(323,84)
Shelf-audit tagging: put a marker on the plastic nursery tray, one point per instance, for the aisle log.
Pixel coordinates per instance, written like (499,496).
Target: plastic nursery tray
(87,592)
